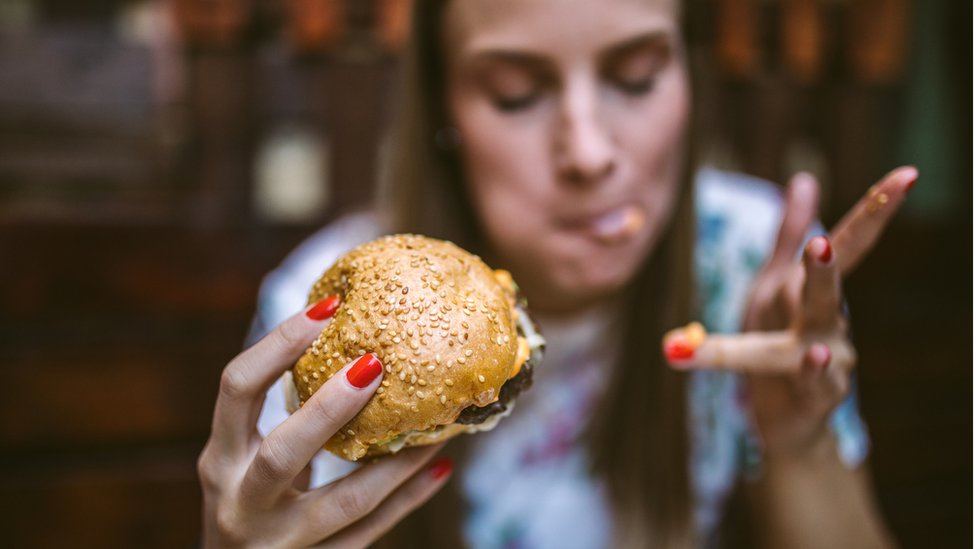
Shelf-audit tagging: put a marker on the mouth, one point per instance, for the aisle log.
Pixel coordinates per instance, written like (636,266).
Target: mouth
(610,226)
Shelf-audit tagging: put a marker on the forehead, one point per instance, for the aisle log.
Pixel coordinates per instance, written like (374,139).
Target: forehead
(552,27)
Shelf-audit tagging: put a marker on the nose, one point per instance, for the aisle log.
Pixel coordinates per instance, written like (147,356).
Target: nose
(585,153)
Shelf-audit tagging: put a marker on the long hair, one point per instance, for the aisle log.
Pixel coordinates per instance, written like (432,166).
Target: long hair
(637,438)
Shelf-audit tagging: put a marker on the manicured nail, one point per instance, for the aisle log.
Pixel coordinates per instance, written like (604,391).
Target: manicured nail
(821,249)
(910,174)
(324,309)
(678,349)
(441,468)
(364,371)
(680,344)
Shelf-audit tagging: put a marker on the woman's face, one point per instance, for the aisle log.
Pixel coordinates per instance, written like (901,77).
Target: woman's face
(572,116)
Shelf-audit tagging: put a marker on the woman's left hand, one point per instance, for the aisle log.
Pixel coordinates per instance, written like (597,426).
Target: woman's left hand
(794,349)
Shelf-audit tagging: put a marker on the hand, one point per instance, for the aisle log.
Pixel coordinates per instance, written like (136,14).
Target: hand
(252,493)
(794,351)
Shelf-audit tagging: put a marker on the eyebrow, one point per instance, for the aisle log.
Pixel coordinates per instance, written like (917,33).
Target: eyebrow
(541,61)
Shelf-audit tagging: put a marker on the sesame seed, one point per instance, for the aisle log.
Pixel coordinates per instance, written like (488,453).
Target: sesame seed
(402,376)
(386,383)
(468,352)
(431,368)
(351,433)
(461,360)
(411,389)
(439,390)
(413,379)
(380,390)
(443,399)
(449,383)
(481,378)
(406,290)
(421,395)
(422,382)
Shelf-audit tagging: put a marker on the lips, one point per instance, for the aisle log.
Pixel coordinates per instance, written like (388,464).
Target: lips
(610,226)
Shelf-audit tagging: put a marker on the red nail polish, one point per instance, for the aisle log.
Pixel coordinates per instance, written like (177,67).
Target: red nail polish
(911,183)
(324,309)
(827,253)
(364,371)
(678,349)
(441,468)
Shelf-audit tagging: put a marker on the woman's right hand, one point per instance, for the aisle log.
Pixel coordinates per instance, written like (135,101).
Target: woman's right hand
(250,485)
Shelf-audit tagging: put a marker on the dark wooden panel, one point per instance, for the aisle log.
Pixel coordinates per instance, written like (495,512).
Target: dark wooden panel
(122,499)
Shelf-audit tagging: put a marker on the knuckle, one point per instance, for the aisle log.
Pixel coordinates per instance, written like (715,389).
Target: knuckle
(290,336)
(228,527)
(207,471)
(353,502)
(271,460)
(233,383)
(325,412)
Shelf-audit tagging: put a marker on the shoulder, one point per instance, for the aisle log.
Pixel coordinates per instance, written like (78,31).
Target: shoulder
(285,289)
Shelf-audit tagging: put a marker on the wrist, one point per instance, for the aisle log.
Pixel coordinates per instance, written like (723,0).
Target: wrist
(810,447)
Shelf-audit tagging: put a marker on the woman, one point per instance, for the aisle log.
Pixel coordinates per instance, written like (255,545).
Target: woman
(552,139)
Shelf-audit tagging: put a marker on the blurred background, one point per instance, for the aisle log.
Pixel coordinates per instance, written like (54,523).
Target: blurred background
(158,157)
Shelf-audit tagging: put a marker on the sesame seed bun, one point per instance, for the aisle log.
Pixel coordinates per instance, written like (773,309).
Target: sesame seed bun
(444,325)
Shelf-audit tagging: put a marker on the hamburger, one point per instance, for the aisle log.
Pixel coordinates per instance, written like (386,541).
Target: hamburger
(454,336)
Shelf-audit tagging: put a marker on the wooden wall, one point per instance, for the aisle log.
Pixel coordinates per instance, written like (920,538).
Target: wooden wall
(130,255)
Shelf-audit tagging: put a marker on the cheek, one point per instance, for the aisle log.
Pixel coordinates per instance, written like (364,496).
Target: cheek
(506,172)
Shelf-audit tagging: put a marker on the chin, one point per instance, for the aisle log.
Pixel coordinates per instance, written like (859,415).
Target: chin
(588,279)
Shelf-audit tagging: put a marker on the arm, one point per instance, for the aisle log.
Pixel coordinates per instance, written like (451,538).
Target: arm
(814,500)
(796,359)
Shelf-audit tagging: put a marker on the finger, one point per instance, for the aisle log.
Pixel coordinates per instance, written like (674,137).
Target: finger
(820,298)
(247,377)
(822,379)
(799,212)
(288,449)
(751,352)
(412,494)
(857,232)
(816,359)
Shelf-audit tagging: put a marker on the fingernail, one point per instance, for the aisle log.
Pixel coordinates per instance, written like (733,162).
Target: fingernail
(364,371)
(324,309)
(910,174)
(680,344)
(677,349)
(441,468)
(821,354)
(821,249)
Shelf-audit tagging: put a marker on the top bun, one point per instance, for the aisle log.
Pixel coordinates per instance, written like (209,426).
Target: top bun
(443,324)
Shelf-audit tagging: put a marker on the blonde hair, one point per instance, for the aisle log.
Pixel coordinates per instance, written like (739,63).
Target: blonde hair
(638,435)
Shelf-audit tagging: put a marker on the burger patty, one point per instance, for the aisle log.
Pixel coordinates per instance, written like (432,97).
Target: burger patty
(474,415)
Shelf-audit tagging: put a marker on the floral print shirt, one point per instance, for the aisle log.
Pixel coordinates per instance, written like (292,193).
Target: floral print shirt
(527,483)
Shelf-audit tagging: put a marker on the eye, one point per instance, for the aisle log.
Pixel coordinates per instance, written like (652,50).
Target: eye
(516,103)
(636,87)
